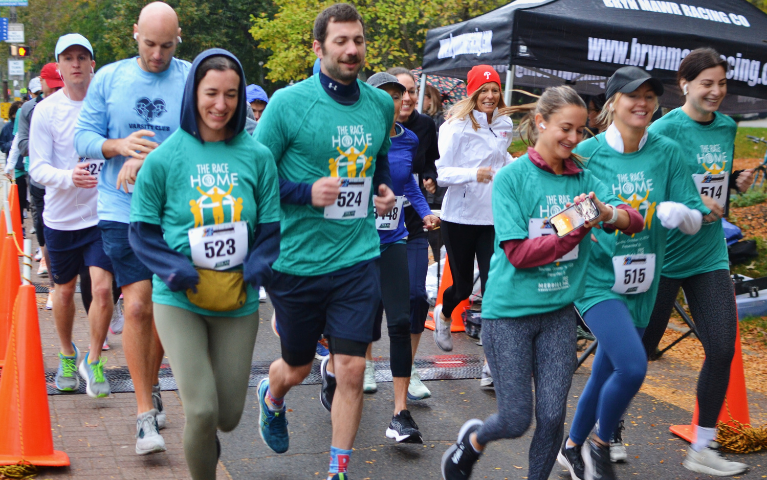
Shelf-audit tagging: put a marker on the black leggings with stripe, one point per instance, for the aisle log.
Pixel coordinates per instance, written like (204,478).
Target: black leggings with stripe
(711,297)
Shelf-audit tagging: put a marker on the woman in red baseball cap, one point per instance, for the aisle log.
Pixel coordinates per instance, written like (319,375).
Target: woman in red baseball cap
(473,146)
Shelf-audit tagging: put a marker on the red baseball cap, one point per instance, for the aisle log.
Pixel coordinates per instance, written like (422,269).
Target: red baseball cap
(480,75)
(50,73)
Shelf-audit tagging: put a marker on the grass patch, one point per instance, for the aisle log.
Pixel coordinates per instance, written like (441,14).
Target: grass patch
(752,196)
(754,328)
(518,147)
(757,268)
(745,148)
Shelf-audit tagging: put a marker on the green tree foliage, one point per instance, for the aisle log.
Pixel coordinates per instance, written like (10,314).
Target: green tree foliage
(395,31)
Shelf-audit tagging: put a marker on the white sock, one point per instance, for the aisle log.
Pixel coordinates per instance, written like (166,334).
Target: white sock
(703,436)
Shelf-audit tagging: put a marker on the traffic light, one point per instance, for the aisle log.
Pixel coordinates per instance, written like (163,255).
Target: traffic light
(20,51)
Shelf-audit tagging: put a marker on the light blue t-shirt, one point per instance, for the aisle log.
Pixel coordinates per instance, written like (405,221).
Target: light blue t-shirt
(122,99)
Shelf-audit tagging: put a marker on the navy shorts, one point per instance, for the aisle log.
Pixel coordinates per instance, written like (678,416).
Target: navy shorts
(127,267)
(71,250)
(342,305)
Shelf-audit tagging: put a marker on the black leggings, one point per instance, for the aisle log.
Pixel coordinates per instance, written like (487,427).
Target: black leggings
(711,297)
(395,299)
(38,202)
(462,243)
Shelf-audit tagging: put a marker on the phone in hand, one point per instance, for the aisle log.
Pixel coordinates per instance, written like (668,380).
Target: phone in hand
(574,217)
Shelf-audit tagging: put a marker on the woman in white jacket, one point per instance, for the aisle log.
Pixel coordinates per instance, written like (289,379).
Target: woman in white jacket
(473,146)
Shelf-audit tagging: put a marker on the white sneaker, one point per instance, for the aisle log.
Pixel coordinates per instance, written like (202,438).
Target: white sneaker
(618,453)
(487,378)
(42,270)
(118,319)
(416,390)
(38,255)
(261,294)
(148,439)
(709,462)
(49,303)
(369,384)
(106,346)
(442,335)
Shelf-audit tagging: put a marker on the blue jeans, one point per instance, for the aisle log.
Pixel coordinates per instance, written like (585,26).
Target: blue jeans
(617,373)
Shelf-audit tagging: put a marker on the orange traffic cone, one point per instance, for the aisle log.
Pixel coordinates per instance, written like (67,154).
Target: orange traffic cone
(13,202)
(10,280)
(735,408)
(3,231)
(26,433)
(446,280)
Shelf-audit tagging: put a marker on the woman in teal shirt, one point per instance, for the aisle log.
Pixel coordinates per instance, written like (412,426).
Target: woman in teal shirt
(646,171)
(535,276)
(205,220)
(699,264)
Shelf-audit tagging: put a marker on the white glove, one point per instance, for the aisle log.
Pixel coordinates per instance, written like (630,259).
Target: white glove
(675,215)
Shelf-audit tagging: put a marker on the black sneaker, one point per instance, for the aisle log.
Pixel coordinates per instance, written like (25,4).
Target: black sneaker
(403,429)
(618,453)
(596,459)
(571,459)
(458,461)
(328,385)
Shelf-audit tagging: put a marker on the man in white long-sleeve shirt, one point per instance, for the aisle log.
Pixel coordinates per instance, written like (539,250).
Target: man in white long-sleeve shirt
(70,219)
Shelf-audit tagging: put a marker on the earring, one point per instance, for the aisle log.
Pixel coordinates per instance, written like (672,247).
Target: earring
(684,89)
(543,127)
(135,36)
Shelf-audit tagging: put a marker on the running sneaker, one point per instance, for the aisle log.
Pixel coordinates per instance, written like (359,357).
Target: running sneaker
(261,295)
(157,403)
(340,476)
(148,439)
(118,318)
(416,390)
(49,303)
(487,378)
(710,462)
(369,384)
(322,351)
(105,345)
(596,461)
(38,255)
(572,460)
(403,428)
(328,385)
(458,461)
(618,452)
(67,379)
(96,384)
(273,425)
(442,335)
(42,270)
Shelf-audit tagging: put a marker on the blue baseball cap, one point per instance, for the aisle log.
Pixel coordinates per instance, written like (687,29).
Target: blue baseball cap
(254,92)
(69,40)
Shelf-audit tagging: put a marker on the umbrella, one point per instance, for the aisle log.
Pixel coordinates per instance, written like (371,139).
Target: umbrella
(452,89)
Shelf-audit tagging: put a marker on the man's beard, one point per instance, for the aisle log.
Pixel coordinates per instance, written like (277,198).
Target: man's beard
(335,71)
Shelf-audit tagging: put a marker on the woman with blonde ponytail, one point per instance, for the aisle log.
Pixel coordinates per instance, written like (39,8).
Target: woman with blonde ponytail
(535,276)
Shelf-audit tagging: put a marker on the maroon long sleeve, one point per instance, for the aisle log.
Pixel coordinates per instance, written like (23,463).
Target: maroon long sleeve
(535,252)
(636,220)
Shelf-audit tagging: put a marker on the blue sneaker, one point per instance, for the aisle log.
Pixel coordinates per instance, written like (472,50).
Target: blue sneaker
(96,384)
(322,350)
(273,425)
(66,376)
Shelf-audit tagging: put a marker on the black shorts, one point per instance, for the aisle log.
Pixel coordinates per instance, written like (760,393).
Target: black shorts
(128,268)
(70,250)
(342,305)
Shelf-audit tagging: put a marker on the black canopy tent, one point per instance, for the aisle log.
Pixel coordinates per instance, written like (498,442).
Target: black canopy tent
(538,43)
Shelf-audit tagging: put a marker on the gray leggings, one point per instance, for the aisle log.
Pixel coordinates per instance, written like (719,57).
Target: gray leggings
(541,346)
(210,358)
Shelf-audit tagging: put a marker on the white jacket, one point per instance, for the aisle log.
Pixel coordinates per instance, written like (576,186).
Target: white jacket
(462,151)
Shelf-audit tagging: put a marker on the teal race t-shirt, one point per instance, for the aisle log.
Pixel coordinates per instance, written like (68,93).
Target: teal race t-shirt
(312,136)
(523,197)
(707,150)
(185,184)
(627,267)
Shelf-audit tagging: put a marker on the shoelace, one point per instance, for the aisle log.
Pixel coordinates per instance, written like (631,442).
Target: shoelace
(98,370)
(147,424)
(68,366)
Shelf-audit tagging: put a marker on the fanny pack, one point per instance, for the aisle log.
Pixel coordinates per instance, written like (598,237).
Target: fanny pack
(219,291)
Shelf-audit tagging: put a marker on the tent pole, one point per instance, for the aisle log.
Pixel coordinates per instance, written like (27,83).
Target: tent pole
(421,91)
(509,84)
